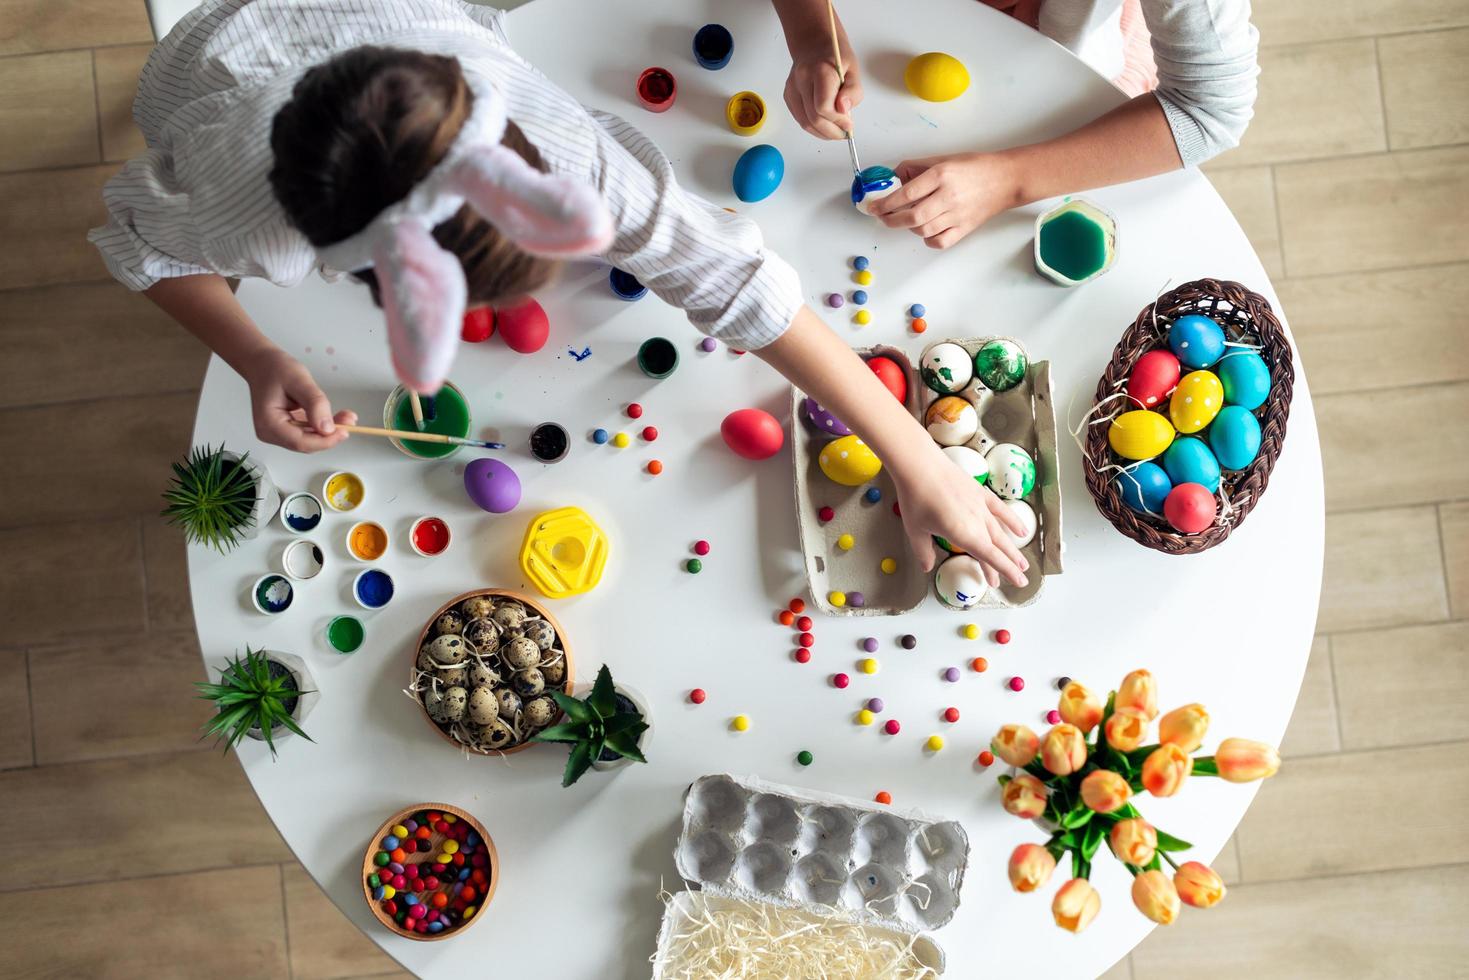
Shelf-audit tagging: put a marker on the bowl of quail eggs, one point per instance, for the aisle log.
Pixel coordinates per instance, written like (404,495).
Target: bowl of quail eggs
(484,668)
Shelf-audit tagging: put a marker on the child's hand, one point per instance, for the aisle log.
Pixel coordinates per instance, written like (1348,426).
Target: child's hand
(944,500)
(820,102)
(944,198)
(283,393)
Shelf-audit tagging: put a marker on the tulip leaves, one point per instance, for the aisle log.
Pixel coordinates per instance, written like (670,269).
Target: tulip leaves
(1167,842)
(1206,766)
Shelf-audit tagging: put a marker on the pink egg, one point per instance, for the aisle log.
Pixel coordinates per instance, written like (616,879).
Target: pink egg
(1190,508)
(1153,378)
(752,433)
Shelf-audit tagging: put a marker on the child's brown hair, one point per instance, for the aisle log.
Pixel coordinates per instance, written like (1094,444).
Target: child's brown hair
(361,130)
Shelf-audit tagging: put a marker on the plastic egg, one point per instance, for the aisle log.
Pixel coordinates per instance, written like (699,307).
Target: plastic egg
(821,421)
(1190,508)
(492,485)
(1153,378)
(969,461)
(951,421)
(1144,487)
(1235,437)
(1245,377)
(1189,460)
(890,375)
(1000,364)
(946,368)
(849,461)
(1197,340)
(936,77)
(524,327)
(1196,401)
(1012,471)
(873,184)
(1022,510)
(752,433)
(960,582)
(758,173)
(1139,434)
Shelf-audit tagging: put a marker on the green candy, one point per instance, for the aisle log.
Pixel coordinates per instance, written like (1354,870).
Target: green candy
(804,758)
(694,566)
(381,859)
(1000,364)
(374,880)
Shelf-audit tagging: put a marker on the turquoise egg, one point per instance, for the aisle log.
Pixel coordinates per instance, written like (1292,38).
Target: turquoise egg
(1143,487)
(1189,460)
(1196,340)
(1245,377)
(1235,436)
(758,173)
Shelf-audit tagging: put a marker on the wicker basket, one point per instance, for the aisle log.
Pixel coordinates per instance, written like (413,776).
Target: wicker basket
(493,873)
(1245,316)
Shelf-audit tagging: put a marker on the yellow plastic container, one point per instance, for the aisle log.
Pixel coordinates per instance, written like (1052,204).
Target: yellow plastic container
(564,553)
(745,113)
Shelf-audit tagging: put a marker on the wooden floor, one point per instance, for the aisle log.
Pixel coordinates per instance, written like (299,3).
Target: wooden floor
(1353,184)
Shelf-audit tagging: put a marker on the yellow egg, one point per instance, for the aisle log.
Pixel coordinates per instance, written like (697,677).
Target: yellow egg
(1139,434)
(936,77)
(848,461)
(1196,401)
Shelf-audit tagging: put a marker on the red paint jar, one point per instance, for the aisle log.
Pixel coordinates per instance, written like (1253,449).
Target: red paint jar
(429,536)
(657,89)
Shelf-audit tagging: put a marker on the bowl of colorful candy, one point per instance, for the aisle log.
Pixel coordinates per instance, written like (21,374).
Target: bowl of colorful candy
(429,870)
(1189,417)
(483,668)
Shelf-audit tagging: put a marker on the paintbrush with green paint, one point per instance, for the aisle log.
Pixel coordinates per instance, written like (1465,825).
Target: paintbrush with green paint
(372,430)
(424,410)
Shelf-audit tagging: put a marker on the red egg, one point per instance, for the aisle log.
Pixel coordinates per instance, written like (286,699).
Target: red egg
(524,327)
(890,375)
(1190,508)
(1153,378)
(479,324)
(752,433)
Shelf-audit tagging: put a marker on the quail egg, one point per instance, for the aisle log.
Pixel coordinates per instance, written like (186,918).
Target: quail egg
(452,676)
(479,607)
(539,631)
(484,634)
(555,671)
(446,651)
(482,675)
(540,712)
(510,704)
(455,700)
(495,735)
(510,615)
(449,622)
(483,708)
(528,682)
(519,653)
(433,703)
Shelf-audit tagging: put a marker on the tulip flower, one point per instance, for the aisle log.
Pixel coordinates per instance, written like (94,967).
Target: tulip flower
(1139,691)
(1126,729)
(1134,841)
(1030,867)
(1024,796)
(1076,904)
(1165,770)
(1104,790)
(1155,897)
(1080,707)
(1063,750)
(1198,885)
(1016,744)
(1242,761)
(1184,727)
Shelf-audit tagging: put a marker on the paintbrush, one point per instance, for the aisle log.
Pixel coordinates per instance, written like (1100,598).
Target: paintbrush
(371,430)
(424,410)
(836,50)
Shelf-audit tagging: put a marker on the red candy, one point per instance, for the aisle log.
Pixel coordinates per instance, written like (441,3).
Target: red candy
(701,547)
(897,511)
(825,514)
(797,605)
(840,680)
(634,411)
(650,433)
(803,624)
(1002,636)
(1017,683)
(883,796)
(1053,717)
(951,714)
(390,907)
(803,656)
(891,726)
(439,900)
(986,758)
(806,639)
(786,617)
(697,695)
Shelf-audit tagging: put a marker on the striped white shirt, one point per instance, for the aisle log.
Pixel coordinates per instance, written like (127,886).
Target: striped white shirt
(199,201)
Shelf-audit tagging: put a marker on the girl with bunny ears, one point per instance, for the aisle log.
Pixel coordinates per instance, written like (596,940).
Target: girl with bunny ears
(405,143)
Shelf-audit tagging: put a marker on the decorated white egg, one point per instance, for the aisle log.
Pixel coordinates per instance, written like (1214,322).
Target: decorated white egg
(1012,471)
(946,368)
(1026,514)
(960,582)
(951,421)
(969,461)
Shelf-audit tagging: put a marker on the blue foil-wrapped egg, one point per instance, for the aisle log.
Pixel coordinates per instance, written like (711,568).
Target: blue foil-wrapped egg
(1245,377)
(1189,460)
(757,173)
(1144,487)
(1196,340)
(1235,437)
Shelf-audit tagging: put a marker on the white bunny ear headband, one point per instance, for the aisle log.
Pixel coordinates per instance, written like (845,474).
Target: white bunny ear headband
(422,285)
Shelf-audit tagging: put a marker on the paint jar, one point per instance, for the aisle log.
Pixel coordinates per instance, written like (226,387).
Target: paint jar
(1075,242)
(550,442)
(713,45)
(657,89)
(429,536)
(372,588)
(657,357)
(745,113)
(343,491)
(345,634)
(450,417)
(626,286)
(303,560)
(272,594)
(367,541)
(301,512)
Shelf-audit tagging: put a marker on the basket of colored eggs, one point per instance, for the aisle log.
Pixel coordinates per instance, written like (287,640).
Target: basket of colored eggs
(429,870)
(483,667)
(1189,417)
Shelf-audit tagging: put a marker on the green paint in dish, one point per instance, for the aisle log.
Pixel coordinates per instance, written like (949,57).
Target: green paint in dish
(1074,245)
(345,634)
(451,418)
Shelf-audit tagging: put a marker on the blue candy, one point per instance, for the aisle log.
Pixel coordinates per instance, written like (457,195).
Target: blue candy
(860,297)
(1143,487)
(463,874)
(472,839)
(1197,340)
(873,495)
(391,843)
(410,900)
(600,436)
(436,926)
(917,310)
(860,263)
(378,893)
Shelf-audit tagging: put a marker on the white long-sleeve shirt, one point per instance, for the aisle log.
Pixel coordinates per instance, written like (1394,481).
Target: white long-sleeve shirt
(199,201)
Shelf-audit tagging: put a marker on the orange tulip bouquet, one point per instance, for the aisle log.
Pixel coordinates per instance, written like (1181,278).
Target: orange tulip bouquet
(1081,788)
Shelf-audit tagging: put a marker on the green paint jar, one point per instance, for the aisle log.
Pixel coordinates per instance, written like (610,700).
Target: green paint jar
(1075,242)
(450,413)
(345,634)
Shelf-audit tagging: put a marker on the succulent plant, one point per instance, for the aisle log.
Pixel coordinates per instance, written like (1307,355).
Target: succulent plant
(211,498)
(251,695)
(593,724)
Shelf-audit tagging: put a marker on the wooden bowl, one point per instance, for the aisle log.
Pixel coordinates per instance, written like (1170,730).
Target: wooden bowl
(368,868)
(525,600)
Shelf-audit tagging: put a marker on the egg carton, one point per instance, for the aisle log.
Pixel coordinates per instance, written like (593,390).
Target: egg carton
(1024,415)
(749,839)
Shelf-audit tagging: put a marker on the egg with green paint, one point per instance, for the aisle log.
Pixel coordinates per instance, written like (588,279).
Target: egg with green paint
(1235,437)
(971,462)
(1190,460)
(1139,434)
(1196,400)
(1000,364)
(946,368)
(1245,377)
(1012,471)
(848,461)
(951,421)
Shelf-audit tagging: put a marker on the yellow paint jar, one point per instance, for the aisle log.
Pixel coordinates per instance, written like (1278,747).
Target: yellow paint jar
(745,113)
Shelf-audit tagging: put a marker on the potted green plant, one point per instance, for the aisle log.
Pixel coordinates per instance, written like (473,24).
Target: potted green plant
(606,729)
(262,695)
(220,498)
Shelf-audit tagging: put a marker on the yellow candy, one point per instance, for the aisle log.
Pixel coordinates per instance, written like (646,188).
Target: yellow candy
(862,318)
(1196,401)
(889,566)
(621,440)
(936,77)
(864,278)
(868,666)
(865,717)
(450,818)
(388,892)
(849,461)
(445,858)
(470,910)
(934,743)
(971,632)
(451,846)
(837,598)
(399,831)
(741,723)
(1139,434)
(845,542)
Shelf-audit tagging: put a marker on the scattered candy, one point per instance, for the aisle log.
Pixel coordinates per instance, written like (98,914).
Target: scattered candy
(980,665)
(859,296)
(837,599)
(634,411)
(875,705)
(1002,636)
(741,723)
(1053,717)
(621,440)
(873,495)
(971,632)
(856,600)
(806,639)
(870,644)
(864,277)
(803,656)
(708,345)
(860,263)
(883,796)
(892,727)
(835,300)
(951,714)
(986,758)
(951,674)
(600,436)
(797,605)
(1061,683)
(804,624)
(655,466)
(897,510)
(934,743)
(1017,683)
(862,318)
(697,695)
(919,325)
(865,717)
(888,565)
(786,617)
(825,514)
(804,758)
(649,434)
(908,641)
(701,547)
(840,680)
(917,310)
(846,542)
(693,566)
(868,665)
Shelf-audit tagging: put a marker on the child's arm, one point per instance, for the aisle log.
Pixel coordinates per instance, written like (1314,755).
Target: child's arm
(281,389)
(819,99)
(936,497)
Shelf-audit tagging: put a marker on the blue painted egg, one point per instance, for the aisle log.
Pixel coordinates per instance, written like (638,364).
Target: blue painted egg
(1245,377)
(1143,487)
(1197,340)
(1235,436)
(758,173)
(1190,461)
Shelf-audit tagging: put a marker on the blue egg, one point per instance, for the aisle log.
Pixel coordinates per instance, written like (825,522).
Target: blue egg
(1235,436)
(758,173)
(1188,460)
(859,297)
(1196,340)
(1245,378)
(1143,487)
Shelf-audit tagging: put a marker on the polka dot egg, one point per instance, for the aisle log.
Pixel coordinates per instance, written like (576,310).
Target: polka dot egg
(849,461)
(1196,401)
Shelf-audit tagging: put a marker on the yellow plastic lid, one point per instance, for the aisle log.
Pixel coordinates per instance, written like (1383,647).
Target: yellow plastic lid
(564,553)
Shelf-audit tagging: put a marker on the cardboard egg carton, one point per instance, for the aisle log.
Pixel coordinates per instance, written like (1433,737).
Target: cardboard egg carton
(1024,415)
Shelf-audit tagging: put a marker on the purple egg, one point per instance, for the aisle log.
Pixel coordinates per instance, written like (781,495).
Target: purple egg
(492,485)
(822,421)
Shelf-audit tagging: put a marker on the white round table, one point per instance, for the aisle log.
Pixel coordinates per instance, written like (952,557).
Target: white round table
(581,867)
